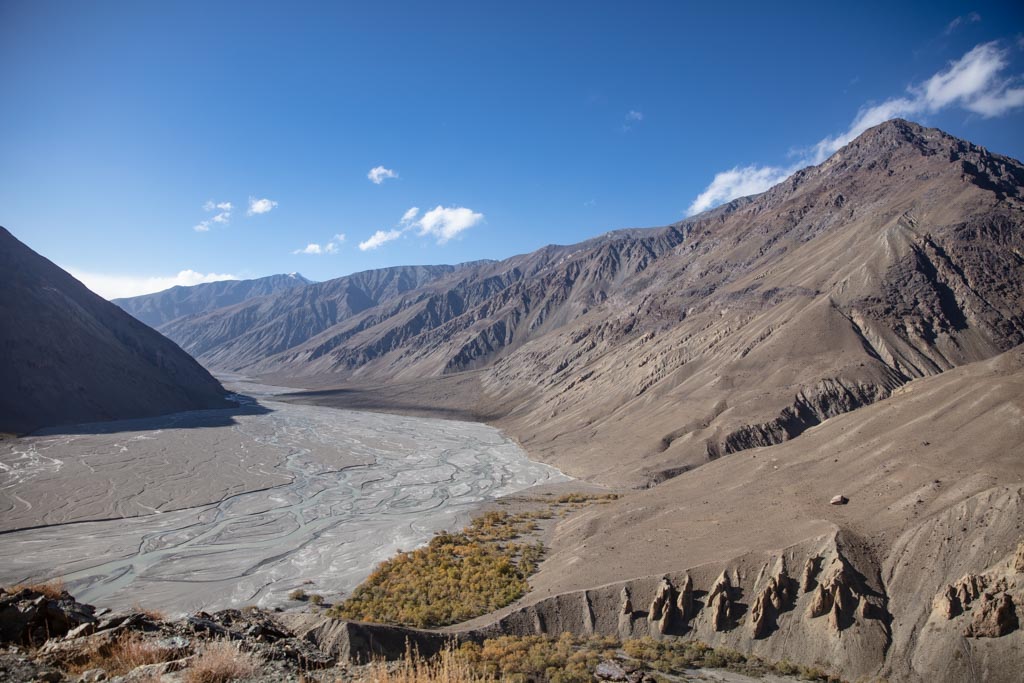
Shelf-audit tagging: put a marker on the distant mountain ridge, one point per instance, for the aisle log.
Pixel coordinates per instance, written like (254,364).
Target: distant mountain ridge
(263,326)
(69,356)
(162,307)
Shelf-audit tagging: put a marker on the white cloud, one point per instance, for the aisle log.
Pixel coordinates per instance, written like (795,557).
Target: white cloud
(223,216)
(117,286)
(410,215)
(973,82)
(378,238)
(379,174)
(260,206)
(329,248)
(445,223)
(738,182)
(441,223)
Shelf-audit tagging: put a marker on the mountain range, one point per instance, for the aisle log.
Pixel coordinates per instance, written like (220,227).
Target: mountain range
(641,354)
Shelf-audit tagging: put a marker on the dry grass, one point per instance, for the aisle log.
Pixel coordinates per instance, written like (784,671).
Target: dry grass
(221,662)
(51,589)
(447,667)
(153,614)
(121,656)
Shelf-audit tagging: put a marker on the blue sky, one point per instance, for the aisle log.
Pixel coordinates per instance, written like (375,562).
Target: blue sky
(508,125)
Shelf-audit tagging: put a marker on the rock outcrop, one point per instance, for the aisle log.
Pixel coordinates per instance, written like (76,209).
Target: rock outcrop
(663,612)
(987,600)
(777,596)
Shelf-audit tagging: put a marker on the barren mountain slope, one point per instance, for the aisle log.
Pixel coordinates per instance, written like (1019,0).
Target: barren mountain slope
(899,257)
(162,307)
(641,354)
(69,356)
(233,337)
(935,480)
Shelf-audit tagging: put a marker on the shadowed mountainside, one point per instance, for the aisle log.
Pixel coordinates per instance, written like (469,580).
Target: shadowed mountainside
(69,356)
(162,307)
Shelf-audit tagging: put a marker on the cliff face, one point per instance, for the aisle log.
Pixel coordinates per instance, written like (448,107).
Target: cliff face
(69,356)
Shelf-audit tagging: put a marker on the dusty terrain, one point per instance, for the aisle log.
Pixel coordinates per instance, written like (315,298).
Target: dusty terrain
(934,477)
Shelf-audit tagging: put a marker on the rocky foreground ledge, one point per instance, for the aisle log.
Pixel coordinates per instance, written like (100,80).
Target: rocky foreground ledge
(49,636)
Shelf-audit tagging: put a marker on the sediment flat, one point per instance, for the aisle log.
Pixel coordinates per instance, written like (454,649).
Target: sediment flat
(205,511)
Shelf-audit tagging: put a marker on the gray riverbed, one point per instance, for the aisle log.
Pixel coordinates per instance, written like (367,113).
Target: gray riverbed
(206,511)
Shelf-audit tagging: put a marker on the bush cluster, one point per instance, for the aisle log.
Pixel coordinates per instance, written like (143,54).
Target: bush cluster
(459,576)
(573,659)
(456,577)
(670,656)
(519,659)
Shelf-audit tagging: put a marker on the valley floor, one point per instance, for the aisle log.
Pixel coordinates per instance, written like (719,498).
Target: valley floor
(216,509)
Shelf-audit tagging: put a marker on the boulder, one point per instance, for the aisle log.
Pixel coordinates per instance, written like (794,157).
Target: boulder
(29,617)
(994,616)
(610,670)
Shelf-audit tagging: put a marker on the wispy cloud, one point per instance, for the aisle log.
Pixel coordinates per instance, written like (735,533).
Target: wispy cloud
(971,18)
(260,206)
(975,82)
(202,226)
(111,286)
(379,174)
(379,238)
(632,118)
(331,247)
